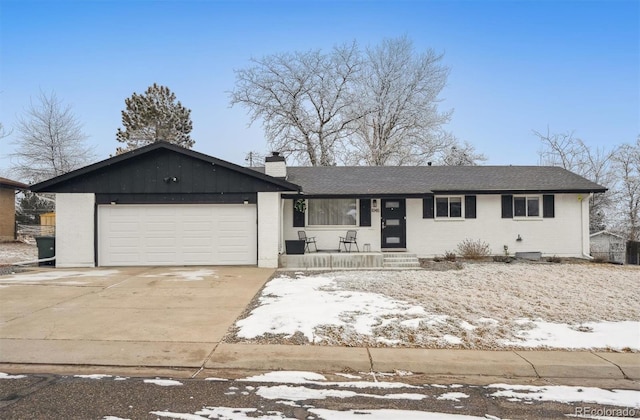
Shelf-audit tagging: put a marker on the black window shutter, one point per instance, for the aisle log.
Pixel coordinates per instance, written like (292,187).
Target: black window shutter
(365,212)
(507,207)
(298,216)
(469,206)
(427,207)
(548,206)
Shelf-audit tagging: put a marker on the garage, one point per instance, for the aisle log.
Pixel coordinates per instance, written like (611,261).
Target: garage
(174,234)
(164,205)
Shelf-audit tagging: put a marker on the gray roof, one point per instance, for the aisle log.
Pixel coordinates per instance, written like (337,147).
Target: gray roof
(416,180)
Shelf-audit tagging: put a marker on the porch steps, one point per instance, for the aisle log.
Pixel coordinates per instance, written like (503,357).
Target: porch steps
(400,260)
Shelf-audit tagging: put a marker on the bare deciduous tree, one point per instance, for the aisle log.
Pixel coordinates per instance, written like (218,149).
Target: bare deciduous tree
(301,98)
(461,154)
(378,107)
(627,167)
(571,153)
(396,106)
(50,140)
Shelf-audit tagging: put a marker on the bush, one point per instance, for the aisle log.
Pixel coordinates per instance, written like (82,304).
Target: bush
(555,259)
(473,250)
(449,256)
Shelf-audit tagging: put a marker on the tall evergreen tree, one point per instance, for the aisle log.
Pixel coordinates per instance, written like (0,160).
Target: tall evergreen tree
(152,116)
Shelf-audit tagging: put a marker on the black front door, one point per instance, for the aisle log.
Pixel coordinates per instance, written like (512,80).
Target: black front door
(394,232)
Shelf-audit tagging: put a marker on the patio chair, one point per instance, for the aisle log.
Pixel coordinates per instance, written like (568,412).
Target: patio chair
(350,239)
(302,235)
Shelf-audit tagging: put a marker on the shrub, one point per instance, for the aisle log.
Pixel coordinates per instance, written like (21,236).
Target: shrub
(554,259)
(449,256)
(473,250)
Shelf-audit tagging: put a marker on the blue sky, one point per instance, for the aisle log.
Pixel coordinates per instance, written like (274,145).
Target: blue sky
(515,66)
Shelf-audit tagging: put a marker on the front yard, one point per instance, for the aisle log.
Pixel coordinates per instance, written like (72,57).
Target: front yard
(481,306)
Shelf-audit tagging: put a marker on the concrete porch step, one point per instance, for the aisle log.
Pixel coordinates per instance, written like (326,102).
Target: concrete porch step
(400,260)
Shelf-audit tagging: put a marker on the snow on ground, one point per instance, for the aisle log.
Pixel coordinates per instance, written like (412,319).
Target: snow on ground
(68,277)
(568,394)
(180,274)
(292,393)
(163,382)
(93,376)
(483,306)
(13,252)
(8,376)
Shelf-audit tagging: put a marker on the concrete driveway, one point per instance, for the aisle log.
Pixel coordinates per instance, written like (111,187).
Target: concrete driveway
(141,316)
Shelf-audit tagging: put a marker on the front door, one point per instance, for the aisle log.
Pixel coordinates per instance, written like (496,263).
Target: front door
(394,232)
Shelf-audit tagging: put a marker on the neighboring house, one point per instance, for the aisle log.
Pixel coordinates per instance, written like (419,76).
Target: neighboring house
(165,205)
(608,246)
(8,208)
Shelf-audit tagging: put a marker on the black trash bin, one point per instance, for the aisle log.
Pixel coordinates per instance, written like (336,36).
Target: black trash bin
(46,248)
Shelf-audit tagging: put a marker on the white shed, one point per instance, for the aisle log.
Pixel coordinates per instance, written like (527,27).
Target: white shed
(608,246)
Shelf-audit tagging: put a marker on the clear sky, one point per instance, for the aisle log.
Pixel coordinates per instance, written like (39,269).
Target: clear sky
(516,66)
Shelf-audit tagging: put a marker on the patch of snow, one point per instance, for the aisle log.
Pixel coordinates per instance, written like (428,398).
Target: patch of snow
(349,376)
(569,394)
(451,339)
(216,379)
(403,372)
(93,376)
(113,418)
(385,414)
(302,393)
(438,386)
(163,382)
(467,326)
(301,377)
(287,377)
(614,335)
(180,274)
(452,396)
(8,376)
(58,274)
(120,378)
(289,305)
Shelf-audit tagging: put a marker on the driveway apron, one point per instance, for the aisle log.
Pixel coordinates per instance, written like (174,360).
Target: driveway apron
(139,316)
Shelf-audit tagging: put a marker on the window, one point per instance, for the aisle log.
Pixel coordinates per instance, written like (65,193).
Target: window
(526,206)
(332,212)
(449,207)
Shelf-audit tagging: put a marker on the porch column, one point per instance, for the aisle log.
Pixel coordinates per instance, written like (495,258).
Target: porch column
(269,219)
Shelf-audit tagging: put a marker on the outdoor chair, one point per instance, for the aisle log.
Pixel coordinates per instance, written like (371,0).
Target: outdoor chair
(302,235)
(350,239)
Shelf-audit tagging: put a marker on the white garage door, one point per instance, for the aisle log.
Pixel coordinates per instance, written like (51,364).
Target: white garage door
(176,234)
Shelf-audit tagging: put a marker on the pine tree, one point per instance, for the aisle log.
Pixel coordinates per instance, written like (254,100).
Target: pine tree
(153,116)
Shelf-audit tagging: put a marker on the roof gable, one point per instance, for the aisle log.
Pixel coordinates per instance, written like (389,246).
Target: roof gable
(163,167)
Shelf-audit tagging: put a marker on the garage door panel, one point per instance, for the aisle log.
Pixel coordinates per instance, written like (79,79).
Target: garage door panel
(177,234)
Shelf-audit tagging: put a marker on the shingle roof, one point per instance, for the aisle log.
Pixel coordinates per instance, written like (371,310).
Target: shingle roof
(8,183)
(363,180)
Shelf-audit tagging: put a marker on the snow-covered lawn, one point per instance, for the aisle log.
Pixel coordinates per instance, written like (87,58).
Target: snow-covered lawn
(482,306)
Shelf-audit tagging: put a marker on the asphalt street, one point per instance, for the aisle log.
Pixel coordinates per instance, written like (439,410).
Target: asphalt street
(117,397)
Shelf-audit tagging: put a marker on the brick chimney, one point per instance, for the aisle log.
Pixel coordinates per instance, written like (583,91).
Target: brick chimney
(275,165)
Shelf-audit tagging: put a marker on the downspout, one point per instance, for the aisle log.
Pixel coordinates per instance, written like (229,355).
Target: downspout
(585,253)
(281,222)
(35,261)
